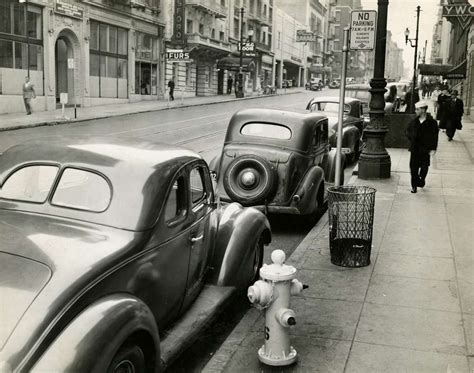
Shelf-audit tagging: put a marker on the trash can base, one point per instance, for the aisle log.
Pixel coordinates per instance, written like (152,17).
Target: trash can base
(350,252)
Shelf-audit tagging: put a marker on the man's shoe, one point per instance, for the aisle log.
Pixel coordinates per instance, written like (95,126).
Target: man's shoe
(450,139)
(413,190)
(421,183)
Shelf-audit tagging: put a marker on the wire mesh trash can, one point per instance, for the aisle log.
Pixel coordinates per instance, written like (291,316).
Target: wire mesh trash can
(351,219)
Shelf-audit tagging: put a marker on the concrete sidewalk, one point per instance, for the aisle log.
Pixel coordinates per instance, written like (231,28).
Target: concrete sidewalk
(43,118)
(411,309)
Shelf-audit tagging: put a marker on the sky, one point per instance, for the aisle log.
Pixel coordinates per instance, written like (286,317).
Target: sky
(402,14)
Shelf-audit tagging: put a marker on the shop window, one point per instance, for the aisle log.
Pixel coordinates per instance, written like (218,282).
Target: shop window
(122,44)
(188,74)
(19,19)
(94,69)
(103,37)
(33,23)
(112,40)
(6,53)
(36,57)
(112,67)
(122,69)
(94,36)
(21,56)
(174,73)
(5,18)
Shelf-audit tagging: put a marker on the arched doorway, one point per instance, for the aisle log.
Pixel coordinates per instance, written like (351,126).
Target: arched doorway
(67,66)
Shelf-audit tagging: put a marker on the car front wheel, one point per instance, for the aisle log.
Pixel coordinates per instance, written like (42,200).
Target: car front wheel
(128,359)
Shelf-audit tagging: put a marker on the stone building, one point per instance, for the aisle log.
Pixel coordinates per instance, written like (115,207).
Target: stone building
(96,51)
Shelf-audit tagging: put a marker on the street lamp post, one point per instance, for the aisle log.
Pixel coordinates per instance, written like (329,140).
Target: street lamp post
(407,39)
(375,161)
(240,85)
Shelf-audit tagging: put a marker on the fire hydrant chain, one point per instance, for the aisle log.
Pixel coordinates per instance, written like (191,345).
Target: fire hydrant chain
(272,294)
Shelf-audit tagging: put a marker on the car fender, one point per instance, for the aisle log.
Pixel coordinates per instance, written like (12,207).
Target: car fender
(329,166)
(92,339)
(238,232)
(306,197)
(215,164)
(350,134)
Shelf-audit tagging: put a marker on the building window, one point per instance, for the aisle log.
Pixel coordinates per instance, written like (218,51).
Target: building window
(236,29)
(201,29)
(108,62)
(189,26)
(188,74)
(213,33)
(146,64)
(221,35)
(222,2)
(16,50)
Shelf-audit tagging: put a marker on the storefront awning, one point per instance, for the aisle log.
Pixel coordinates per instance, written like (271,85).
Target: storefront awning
(233,63)
(433,69)
(457,72)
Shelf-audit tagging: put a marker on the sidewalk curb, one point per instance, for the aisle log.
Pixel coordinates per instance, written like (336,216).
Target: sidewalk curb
(60,121)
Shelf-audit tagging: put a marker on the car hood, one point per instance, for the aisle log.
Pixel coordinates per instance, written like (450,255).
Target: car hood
(45,262)
(21,280)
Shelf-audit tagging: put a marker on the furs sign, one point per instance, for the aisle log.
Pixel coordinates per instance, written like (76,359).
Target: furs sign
(177,55)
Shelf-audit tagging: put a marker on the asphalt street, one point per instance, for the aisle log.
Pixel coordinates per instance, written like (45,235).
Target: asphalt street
(202,129)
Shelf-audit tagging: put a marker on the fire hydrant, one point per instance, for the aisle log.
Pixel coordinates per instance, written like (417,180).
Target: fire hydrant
(272,293)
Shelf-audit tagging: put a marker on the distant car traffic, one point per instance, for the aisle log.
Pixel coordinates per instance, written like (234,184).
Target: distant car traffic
(277,161)
(110,249)
(352,126)
(334,84)
(315,84)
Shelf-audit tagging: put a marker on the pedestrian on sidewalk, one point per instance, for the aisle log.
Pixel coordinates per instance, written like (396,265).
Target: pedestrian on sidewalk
(434,97)
(456,111)
(28,94)
(171,87)
(410,104)
(443,109)
(422,132)
(230,81)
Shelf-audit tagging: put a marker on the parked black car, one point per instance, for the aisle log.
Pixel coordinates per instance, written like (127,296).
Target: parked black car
(277,161)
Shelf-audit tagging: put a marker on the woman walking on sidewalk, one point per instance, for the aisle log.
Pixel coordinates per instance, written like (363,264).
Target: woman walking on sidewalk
(422,132)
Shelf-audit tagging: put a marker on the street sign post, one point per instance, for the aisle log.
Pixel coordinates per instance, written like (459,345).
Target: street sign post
(363,26)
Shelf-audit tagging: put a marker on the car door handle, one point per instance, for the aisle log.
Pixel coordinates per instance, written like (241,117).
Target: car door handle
(196,239)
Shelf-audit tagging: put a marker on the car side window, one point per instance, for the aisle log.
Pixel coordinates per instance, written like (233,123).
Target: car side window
(176,202)
(30,183)
(197,185)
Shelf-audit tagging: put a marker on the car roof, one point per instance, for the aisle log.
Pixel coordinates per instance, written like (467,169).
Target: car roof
(347,100)
(138,170)
(301,125)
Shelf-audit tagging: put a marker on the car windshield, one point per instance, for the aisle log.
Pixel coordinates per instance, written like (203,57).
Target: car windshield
(329,107)
(268,130)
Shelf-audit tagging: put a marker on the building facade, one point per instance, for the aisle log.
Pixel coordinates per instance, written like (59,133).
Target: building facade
(95,51)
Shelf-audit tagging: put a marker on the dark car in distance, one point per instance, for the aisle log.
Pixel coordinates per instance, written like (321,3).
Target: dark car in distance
(277,161)
(352,125)
(113,253)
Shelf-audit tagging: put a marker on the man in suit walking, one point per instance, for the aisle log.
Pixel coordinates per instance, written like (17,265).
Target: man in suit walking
(28,94)
(456,111)
(422,132)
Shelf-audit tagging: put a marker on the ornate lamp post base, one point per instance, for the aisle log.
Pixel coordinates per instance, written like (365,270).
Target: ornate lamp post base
(374,162)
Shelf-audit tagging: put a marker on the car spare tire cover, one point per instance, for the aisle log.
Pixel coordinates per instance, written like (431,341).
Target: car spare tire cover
(249,179)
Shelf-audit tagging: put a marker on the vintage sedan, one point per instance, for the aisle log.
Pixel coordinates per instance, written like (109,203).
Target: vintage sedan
(277,161)
(113,252)
(352,125)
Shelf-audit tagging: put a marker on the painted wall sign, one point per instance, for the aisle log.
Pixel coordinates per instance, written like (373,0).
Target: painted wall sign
(303,36)
(70,10)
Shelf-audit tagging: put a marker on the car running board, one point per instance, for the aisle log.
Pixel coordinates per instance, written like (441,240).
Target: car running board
(182,334)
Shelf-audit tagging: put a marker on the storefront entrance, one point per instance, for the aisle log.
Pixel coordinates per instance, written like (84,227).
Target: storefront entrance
(67,67)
